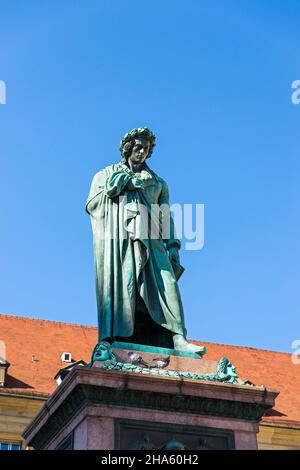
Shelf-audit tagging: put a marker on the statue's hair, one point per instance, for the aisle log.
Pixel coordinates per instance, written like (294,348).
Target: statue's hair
(127,143)
(222,366)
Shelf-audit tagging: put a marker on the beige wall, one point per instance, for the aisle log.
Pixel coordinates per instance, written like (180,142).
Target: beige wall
(280,438)
(17,411)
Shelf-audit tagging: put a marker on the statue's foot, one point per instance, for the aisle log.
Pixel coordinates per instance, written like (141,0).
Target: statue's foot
(181,344)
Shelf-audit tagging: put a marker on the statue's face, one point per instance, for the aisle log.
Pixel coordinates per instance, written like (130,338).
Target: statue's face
(231,370)
(140,151)
(102,353)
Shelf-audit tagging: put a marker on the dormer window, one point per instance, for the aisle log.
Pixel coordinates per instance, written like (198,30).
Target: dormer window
(4,365)
(66,357)
(62,373)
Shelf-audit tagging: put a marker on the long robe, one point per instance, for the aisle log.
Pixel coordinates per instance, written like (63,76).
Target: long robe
(129,262)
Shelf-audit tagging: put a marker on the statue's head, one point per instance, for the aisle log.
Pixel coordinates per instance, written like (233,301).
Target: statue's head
(138,144)
(102,352)
(227,369)
(173,444)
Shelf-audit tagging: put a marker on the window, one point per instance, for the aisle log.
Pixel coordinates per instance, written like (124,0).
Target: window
(10,446)
(66,357)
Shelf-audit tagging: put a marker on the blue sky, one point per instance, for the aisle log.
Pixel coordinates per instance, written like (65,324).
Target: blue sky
(213,80)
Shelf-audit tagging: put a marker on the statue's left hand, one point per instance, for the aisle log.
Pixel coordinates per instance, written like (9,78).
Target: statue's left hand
(174,254)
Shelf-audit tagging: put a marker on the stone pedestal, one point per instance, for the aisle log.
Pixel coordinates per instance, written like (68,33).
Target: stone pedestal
(97,409)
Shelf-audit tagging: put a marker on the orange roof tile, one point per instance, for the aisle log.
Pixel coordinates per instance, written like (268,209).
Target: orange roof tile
(34,348)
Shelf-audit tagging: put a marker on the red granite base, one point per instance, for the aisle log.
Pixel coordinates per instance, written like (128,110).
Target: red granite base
(182,364)
(99,409)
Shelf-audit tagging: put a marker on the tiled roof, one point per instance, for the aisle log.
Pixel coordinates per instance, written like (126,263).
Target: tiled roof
(34,348)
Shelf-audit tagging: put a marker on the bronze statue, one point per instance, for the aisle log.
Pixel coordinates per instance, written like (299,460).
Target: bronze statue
(136,268)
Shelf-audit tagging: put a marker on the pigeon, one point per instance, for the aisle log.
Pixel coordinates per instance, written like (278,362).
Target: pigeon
(137,360)
(161,362)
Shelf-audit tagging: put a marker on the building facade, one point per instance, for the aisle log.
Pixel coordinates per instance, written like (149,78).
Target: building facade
(39,353)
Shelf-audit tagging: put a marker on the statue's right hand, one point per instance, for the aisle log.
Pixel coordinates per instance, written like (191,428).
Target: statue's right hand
(138,183)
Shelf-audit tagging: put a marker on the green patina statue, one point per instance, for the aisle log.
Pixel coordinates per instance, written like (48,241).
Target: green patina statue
(136,252)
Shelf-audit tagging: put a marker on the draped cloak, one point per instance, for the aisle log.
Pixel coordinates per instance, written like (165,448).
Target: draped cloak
(129,260)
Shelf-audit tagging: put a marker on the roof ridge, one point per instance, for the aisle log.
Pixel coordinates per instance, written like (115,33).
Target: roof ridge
(244,347)
(20,317)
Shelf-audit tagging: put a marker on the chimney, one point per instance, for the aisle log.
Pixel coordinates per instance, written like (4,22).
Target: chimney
(4,365)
